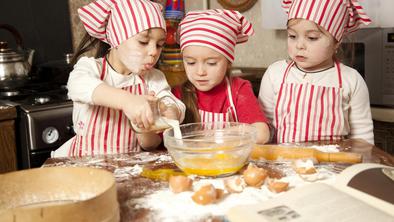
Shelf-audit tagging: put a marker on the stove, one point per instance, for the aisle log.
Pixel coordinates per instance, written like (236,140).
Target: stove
(44,120)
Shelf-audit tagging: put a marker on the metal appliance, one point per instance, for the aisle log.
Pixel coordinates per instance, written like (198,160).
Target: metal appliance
(44,120)
(373,57)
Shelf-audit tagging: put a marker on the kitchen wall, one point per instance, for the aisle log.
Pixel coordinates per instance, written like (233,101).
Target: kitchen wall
(262,49)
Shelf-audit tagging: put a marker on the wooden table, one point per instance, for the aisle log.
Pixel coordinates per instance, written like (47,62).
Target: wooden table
(131,187)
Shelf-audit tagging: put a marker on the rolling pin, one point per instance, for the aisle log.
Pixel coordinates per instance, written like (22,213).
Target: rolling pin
(274,152)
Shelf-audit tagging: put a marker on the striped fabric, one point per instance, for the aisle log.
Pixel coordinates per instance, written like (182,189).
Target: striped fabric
(217,29)
(338,17)
(306,112)
(229,116)
(113,21)
(108,130)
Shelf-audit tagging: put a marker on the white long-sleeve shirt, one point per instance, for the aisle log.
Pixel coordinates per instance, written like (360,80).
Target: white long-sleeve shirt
(355,98)
(85,77)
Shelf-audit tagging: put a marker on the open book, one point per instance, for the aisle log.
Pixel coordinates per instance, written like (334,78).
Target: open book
(362,192)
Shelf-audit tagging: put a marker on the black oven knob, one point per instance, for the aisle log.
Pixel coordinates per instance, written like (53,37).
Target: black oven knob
(50,135)
(70,130)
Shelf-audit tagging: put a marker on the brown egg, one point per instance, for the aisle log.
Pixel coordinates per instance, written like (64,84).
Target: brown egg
(180,183)
(254,176)
(304,166)
(304,170)
(205,195)
(234,184)
(277,186)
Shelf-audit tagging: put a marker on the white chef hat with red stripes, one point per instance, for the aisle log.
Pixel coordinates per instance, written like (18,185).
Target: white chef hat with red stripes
(217,29)
(113,21)
(338,17)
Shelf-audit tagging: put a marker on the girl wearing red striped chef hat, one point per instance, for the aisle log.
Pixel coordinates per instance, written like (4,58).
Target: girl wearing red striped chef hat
(312,96)
(116,87)
(207,40)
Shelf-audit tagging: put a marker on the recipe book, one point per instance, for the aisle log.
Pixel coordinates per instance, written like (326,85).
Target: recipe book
(362,192)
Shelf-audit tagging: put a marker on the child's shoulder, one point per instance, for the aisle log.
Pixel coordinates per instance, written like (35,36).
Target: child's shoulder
(89,61)
(276,67)
(349,72)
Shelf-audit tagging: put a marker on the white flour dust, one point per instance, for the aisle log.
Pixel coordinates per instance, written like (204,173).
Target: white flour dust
(169,206)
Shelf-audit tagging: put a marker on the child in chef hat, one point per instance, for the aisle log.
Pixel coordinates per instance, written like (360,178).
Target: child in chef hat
(312,96)
(110,91)
(207,41)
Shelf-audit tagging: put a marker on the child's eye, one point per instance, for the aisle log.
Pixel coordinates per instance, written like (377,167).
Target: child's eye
(143,43)
(290,36)
(212,63)
(190,63)
(313,38)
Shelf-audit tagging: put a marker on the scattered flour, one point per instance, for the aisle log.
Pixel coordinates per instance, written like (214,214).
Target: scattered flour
(327,148)
(169,206)
(164,158)
(128,171)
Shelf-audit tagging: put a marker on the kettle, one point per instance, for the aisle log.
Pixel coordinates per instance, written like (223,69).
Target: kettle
(15,65)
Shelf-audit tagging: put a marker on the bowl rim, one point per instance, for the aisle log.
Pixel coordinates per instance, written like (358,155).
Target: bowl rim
(167,137)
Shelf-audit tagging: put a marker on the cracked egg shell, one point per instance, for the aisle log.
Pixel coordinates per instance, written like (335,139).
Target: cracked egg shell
(277,186)
(254,176)
(180,183)
(205,195)
(234,184)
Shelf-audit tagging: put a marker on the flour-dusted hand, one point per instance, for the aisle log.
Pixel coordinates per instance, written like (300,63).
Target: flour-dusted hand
(138,109)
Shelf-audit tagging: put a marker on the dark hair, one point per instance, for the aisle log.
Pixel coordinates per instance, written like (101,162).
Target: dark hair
(87,44)
(189,98)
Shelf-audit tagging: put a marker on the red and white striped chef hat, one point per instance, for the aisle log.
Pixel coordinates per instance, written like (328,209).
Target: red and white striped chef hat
(113,21)
(338,17)
(217,29)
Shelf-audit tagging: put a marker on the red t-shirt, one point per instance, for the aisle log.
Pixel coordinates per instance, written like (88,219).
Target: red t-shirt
(216,100)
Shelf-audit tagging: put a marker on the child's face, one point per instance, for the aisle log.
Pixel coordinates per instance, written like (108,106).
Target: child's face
(140,53)
(311,48)
(205,68)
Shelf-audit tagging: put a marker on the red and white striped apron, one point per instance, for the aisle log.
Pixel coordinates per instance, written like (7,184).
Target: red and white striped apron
(307,112)
(108,131)
(229,116)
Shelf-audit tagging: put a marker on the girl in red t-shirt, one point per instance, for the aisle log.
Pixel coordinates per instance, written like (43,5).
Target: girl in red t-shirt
(207,40)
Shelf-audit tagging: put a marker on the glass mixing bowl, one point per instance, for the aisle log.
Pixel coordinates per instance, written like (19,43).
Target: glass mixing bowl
(211,149)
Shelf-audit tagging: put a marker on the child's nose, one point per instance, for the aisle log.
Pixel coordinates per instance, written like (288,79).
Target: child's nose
(153,51)
(201,70)
(300,44)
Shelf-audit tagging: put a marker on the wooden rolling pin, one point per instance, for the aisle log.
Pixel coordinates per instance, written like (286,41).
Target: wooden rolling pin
(274,152)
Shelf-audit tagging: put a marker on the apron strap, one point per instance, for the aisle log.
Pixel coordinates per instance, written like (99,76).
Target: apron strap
(230,98)
(339,73)
(287,71)
(103,68)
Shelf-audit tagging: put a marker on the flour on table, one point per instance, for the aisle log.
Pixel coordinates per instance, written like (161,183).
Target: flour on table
(128,171)
(169,206)
(327,148)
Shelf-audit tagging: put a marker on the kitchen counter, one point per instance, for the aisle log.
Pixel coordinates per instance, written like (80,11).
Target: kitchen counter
(131,186)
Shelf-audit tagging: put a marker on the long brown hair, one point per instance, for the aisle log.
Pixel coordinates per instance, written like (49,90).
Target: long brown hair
(87,44)
(189,98)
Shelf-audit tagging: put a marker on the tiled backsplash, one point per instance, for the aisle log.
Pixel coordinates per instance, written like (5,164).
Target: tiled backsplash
(262,49)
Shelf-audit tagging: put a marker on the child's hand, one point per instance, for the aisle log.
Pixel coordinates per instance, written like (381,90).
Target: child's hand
(138,110)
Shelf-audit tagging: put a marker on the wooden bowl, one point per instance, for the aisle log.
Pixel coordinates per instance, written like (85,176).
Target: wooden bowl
(58,194)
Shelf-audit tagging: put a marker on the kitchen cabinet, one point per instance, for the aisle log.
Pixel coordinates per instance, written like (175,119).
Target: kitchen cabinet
(8,160)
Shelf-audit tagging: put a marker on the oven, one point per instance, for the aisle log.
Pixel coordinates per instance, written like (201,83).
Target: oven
(41,130)
(43,123)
